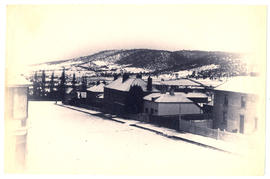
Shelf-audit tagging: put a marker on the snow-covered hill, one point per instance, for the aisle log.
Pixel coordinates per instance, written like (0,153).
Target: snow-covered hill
(158,62)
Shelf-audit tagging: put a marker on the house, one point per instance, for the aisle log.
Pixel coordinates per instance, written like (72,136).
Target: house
(82,94)
(203,100)
(116,93)
(95,95)
(166,109)
(235,105)
(70,96)
(198,98)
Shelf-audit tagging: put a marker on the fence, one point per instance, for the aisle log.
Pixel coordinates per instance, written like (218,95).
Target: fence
(171,122)
(143,117)
(199,127)
(202,128)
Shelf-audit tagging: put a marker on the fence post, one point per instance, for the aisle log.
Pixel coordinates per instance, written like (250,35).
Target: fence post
(218,134)
(179,127)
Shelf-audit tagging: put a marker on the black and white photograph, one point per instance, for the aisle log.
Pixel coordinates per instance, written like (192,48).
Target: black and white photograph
(135,89)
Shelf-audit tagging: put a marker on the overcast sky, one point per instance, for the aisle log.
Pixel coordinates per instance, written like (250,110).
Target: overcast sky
(40,33)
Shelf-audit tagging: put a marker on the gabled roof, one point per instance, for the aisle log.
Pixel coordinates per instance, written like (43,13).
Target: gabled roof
(167,98)
(97,88)
(125,86)
(242,84)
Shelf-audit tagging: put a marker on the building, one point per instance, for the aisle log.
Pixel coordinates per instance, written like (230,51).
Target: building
(70,96)
(16,126)
(116,93)
(95,95)
(166,109)
(203,100)
(235,105)
(169,104)
(198,98)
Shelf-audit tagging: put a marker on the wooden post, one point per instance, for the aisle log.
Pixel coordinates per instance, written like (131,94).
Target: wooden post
(218,134)
(179,127)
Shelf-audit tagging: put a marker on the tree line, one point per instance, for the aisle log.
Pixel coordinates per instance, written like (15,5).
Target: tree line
(55,87)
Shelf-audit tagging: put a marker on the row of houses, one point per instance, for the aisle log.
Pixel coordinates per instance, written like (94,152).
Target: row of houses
(230,106)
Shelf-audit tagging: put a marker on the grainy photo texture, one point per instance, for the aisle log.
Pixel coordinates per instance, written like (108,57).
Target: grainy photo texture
(135,89)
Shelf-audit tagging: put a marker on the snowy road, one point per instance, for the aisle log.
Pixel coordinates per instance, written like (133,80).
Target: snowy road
(61,140)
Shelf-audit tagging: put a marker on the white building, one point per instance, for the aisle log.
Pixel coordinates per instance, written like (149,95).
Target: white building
(236,105)
(169,104)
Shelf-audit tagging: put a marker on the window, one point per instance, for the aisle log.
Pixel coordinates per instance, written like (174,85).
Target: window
(152,110)
(226,101)
(224,118)
(146,110)
(242,123)
(243,101)
(156,110)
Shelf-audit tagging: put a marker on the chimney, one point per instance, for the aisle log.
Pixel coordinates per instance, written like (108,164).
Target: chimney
(149,84)
(186,90)
(163,89)
(172,91)
(125,77)
(115,76)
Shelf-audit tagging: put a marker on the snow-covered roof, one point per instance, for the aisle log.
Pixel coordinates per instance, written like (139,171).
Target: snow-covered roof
(196,95)
(167,98)
(209,82)
(242,84)
(68,90)
(125,86)
(178,82)
(97,88)
(17,81)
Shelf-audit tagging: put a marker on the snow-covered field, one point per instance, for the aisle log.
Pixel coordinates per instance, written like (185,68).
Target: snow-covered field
(61,140)
(185,73)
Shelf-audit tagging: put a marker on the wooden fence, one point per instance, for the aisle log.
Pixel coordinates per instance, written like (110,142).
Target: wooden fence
(204,130)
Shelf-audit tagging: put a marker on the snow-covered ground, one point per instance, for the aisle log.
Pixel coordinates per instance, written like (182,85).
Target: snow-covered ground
(185,73)
(61,140)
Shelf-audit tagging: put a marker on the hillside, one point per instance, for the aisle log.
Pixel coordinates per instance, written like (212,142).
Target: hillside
(200,64)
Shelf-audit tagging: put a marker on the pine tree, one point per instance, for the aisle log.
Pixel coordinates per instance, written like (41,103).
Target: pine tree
(35,86)
(84,83)
(43,83)
(73,82)
(62,85)
(52,85)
